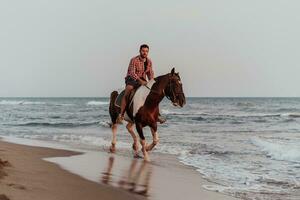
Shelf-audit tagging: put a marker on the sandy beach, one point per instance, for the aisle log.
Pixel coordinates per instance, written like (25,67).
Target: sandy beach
(29,177)
(95,175)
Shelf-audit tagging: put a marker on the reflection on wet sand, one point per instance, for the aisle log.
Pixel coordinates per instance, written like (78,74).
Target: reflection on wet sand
(136,179)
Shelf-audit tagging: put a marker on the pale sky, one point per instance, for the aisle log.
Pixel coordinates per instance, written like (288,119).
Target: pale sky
(82,48)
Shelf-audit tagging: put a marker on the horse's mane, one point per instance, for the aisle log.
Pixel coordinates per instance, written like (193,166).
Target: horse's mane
(161,77)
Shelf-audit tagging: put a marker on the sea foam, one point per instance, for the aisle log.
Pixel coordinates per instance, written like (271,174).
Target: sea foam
(8,102)
(96,103)
(279,151)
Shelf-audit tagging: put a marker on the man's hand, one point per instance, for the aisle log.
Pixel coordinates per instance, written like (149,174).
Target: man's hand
(142,82)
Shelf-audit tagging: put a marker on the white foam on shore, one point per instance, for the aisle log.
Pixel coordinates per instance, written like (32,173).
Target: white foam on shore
(97,103)
(36,143)
(279,151)
(11,102)
(66,142)
(92,141)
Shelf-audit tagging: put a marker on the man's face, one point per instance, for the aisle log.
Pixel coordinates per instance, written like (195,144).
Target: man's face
(144,52)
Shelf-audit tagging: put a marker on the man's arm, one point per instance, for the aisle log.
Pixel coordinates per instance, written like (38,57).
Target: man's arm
(131,70)
(150,73)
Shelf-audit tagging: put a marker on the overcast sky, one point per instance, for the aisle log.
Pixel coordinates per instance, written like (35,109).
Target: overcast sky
(82,48)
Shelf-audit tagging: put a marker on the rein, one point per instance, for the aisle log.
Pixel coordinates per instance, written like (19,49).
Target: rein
(154,90)
(170,89)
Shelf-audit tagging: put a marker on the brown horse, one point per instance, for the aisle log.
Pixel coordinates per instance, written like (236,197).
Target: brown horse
(169,86)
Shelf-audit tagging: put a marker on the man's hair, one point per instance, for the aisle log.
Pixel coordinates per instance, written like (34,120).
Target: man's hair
(144,46)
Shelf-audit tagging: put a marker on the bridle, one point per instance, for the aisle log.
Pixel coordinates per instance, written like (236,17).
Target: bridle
(173,93)
(173,96)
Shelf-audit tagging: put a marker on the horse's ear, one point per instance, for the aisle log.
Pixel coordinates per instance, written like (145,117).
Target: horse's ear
(173,71)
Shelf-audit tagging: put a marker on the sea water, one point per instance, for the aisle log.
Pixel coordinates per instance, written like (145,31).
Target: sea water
(245,147)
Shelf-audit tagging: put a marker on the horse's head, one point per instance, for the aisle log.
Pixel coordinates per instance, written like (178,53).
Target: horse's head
(174,90)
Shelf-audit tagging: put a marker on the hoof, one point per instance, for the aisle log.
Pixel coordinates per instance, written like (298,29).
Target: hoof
(147,159)
(148,148)
(137,156)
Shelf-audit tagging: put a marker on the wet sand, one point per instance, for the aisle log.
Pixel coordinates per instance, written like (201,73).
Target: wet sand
(30,178)
(97,175)
(162,179)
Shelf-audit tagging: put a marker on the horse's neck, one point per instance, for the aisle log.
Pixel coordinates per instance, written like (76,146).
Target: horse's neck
(157,92)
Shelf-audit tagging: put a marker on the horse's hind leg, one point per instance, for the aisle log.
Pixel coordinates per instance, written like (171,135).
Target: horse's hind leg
(155,138)
(113,112)
(112,148)
(135,144)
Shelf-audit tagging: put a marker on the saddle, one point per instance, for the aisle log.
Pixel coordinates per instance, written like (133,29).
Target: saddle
(130,97)
(135,100)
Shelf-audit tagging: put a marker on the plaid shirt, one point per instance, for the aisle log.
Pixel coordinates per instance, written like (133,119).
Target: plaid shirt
(136,68)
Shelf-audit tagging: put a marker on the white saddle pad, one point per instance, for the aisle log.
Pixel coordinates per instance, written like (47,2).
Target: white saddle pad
(140,96)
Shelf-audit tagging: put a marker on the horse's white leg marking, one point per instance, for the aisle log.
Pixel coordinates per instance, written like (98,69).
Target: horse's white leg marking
(112,148)
(135,145)
(145,153)
(155,140)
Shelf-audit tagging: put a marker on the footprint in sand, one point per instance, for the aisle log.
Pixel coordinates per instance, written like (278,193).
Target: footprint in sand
(16,186)
(4,163)
(3,197)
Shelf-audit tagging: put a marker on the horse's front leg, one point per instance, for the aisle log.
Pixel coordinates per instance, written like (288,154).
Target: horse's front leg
(135,145)
(139,129)
(154,136)
(112,148)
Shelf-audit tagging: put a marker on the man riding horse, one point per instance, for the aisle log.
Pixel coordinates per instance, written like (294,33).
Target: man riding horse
(139,67)
(142,108)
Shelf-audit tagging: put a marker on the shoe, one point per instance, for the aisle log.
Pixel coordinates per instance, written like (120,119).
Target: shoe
(161,119)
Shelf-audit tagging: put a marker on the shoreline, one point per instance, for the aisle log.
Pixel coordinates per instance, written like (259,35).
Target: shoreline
(113,175)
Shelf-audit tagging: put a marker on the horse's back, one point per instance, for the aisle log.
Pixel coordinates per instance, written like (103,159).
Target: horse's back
(140,96)
(136,101)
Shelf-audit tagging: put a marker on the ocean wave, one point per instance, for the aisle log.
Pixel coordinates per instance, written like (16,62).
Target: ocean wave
(256,115)
(198,118)
(168,112)
(14,102)
(263,115)
(55,117)
(105,124)
(177,112)
(64,104)
(292,115)
(282,110)
(56,124)
(279,151)
(245,104)
(232,118)
(87,140)
(83,139)
(97,103)
(10,102)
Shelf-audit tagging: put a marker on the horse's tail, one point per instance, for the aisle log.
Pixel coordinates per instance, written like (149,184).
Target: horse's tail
(113,110)
(113,97)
